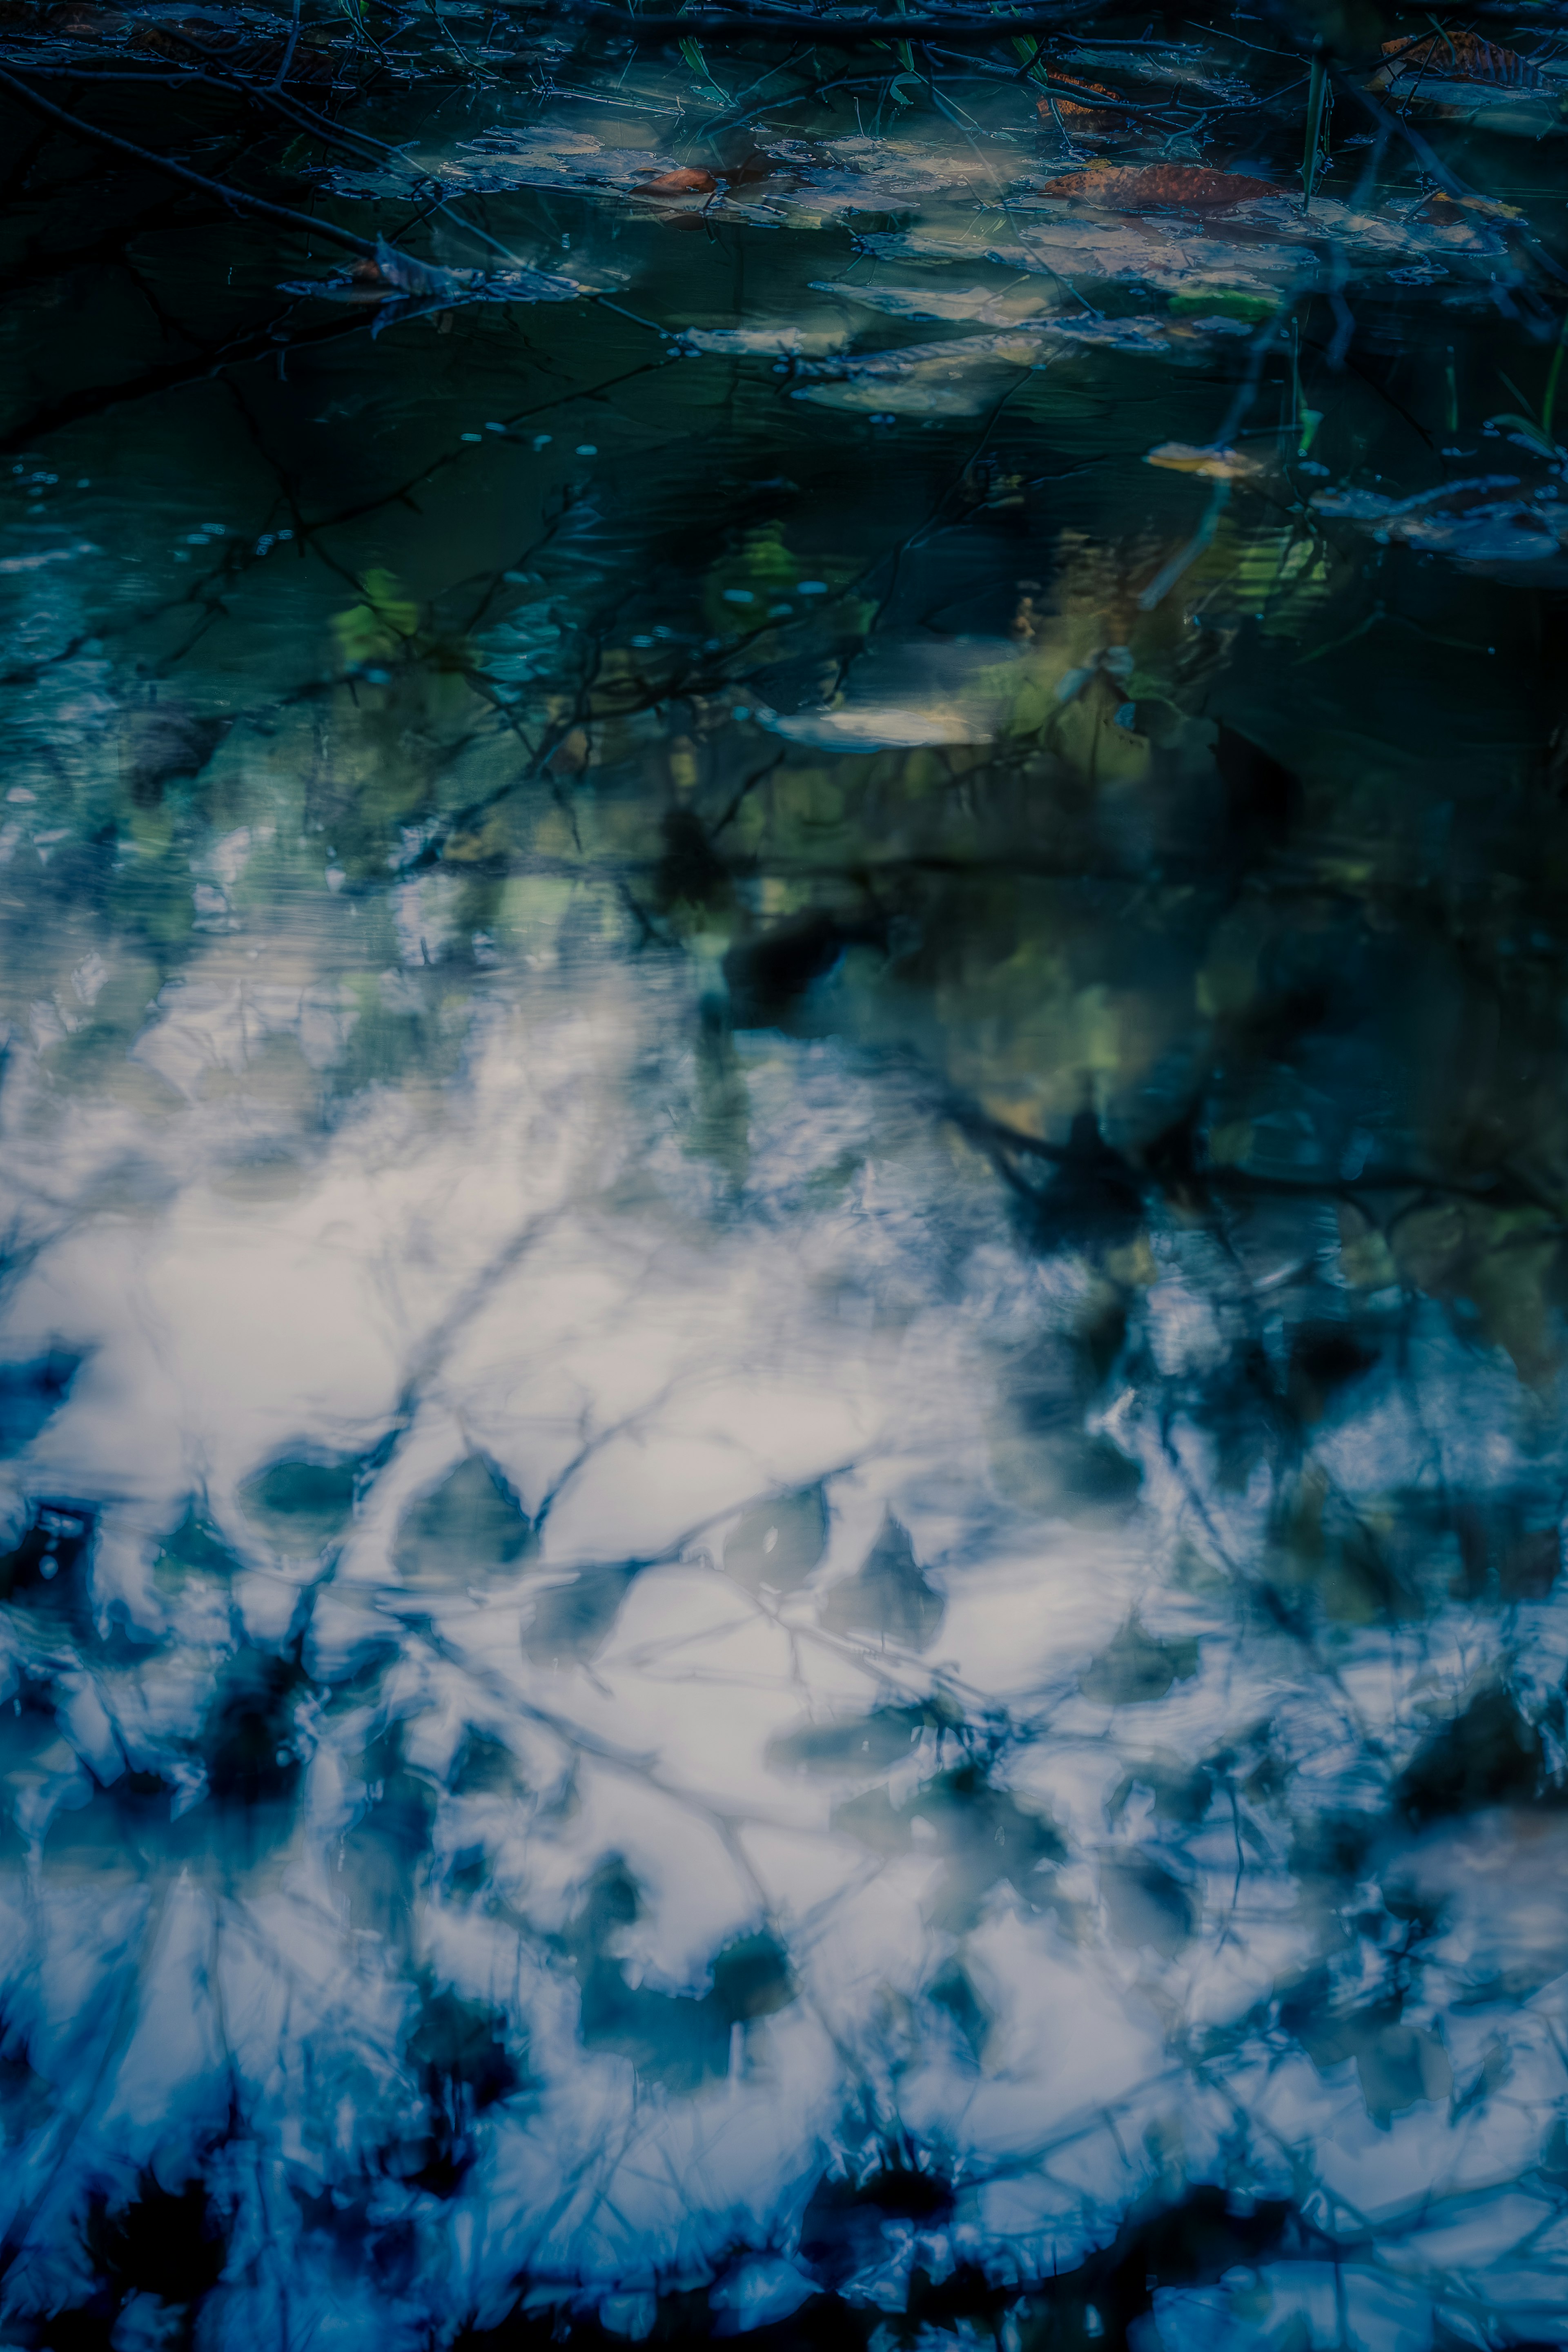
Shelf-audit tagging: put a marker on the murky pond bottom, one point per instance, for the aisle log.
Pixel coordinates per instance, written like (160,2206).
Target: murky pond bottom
(783,1168)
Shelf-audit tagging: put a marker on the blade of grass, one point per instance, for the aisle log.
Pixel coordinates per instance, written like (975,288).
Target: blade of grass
(1317,91)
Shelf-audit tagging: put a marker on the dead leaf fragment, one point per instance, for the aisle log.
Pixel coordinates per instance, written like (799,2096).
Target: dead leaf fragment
(1080,114)
(1458,56)
(1445,211)
(1214,465)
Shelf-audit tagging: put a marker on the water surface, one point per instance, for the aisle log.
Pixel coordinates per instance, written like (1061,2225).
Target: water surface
(784,1162)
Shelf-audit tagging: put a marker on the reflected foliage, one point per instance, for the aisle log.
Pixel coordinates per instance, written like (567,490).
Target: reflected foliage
(782,1179)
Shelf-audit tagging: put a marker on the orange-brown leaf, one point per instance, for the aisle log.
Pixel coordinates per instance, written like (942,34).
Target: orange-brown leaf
(1459,55)
(683,182)
(1445,211)
(1128,189)
(1079,111)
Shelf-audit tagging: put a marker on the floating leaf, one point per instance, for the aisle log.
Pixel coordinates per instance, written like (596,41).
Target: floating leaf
(1193,187)
(951,378)
(1491,524)
(1153,335)
(681,182)
(1080,114)
(1456,55)
(1458,77)
(1214,465)
(1224,302)
(761,342)
(384,623)
(976,305)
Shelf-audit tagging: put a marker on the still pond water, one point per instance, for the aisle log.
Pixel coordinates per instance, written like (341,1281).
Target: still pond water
(784,1155)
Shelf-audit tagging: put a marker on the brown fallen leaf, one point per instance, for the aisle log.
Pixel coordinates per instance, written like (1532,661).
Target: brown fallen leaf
(1445,211)
(1127,188)
(1458,56)
(682,182)
(1076,114)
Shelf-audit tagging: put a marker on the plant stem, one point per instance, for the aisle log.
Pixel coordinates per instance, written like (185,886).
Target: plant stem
(1316,93)
(1549,398)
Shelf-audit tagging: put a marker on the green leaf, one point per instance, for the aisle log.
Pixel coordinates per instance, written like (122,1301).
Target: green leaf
(692,52)
(1221,302)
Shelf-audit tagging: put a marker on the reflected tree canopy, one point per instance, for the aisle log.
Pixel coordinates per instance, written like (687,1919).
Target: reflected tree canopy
(783,1160)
